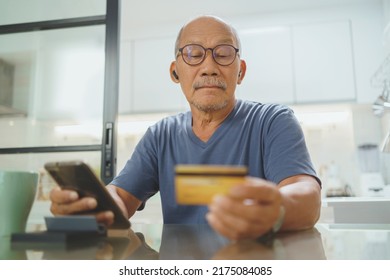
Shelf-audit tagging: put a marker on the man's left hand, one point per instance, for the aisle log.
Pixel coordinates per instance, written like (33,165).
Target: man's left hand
(248,211)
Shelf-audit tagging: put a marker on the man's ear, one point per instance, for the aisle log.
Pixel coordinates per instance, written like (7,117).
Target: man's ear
(173,73)
(242,72)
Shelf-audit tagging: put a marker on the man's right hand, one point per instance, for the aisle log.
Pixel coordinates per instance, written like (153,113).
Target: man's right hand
(67,202)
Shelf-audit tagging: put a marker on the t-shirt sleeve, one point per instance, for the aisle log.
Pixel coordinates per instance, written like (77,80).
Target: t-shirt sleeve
(140,174)
(285,149)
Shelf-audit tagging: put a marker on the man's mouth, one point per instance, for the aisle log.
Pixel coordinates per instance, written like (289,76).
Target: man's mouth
(209,83)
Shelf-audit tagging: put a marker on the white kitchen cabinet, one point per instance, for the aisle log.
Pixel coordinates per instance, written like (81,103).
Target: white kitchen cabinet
(323,62)
(268,55)
(303,63)
(368,55)
(152,88)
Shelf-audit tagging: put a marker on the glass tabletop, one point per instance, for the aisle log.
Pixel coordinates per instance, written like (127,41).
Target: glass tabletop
(200,242)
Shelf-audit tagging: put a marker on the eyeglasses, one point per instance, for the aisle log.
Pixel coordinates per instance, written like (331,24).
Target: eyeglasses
(194,54)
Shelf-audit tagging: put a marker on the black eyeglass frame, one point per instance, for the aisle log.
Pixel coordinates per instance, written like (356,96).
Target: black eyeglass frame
(180,52)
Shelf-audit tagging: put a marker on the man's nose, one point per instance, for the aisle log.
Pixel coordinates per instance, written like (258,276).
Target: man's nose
(209,55)
(209,66)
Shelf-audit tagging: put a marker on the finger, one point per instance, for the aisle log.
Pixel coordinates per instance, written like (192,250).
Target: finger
(253,213)
(82,205)
(250,210)
(106,217)
(232,224)
(238,219)
(58,195)
(231,227)
(259,193)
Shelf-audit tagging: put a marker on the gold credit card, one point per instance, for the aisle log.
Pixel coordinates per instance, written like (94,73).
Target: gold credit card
(197,184)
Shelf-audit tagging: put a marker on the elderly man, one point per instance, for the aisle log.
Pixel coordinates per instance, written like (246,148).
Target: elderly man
(282,188)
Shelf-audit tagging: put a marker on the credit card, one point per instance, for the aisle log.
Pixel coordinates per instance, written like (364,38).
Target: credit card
(198,184)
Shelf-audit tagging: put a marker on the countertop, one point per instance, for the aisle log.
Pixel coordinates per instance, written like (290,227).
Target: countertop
(357,210)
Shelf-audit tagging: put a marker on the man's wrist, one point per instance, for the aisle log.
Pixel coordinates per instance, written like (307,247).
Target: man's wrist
(279,222)
(275,228)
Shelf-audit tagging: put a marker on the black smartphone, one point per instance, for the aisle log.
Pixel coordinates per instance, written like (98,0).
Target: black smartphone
(78,176)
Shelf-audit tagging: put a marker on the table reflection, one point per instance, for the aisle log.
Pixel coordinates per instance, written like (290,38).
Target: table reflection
(116,246)
(200,242)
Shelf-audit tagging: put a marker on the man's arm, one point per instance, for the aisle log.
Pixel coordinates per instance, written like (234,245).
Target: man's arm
(127,202)
(301,198)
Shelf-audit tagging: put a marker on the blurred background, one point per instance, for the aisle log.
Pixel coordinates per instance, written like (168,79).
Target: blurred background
(84,79)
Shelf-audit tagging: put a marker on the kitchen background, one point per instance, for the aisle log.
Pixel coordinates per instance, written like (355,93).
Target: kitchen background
(327,59)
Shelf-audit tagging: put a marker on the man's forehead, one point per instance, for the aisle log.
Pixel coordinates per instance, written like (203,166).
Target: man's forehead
(210,42)
(207,30)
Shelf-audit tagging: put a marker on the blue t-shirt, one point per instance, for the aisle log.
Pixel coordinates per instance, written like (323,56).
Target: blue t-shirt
(266,138)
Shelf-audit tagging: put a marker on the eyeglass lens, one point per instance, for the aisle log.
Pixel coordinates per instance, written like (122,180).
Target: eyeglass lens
(222,54)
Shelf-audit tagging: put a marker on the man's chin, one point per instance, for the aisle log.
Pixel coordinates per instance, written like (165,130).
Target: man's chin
(209,107)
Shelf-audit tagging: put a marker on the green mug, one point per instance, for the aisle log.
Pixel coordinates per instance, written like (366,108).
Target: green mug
(8,253)
(17,194)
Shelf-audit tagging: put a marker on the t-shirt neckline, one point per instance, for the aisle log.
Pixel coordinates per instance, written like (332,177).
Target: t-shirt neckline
(220,130)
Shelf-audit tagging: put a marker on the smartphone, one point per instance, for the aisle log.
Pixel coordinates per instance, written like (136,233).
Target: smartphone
(78,176)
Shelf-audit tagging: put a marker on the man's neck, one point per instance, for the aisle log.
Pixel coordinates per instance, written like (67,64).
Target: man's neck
(204,124)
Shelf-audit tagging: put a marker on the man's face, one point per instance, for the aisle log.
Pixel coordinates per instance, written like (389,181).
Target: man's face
(208,86)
